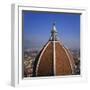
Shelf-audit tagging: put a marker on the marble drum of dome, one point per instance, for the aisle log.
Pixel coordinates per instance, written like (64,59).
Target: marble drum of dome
(48,42)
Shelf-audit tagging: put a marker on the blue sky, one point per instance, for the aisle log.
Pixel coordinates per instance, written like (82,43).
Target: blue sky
(37,27)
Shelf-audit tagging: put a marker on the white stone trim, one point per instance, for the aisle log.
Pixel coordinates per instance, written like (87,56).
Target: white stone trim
(69,59)
(54,58)
(67,55)
(71,62)
(41,56)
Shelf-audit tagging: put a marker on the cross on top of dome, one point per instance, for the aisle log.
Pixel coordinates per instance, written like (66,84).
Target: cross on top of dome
(54,32)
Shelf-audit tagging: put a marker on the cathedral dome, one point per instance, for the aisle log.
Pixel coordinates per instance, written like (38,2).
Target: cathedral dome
(53,59)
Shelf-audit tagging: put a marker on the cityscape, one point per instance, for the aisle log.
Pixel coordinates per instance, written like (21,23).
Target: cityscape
(29,58)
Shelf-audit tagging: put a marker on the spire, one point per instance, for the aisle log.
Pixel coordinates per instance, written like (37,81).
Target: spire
(54,33)
(54,28)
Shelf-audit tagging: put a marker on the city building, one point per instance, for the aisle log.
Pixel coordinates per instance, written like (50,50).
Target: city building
(53,59)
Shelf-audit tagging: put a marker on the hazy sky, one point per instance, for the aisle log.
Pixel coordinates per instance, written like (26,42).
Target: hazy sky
(37,27)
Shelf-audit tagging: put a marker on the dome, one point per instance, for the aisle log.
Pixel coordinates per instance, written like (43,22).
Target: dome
(53,59)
